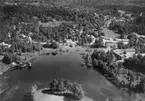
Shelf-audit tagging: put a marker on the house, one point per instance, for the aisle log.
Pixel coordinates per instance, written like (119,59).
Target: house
(5,45)
(9,34)
(107,23)
(118,54)
(104,49)
(92,38)
(121,12)
(140,14)
(124,53)
(9,3)
(1,57)
(96,15)
(142,54)
(128,15)
(124,41)
(22,36)
(129,52)
(139,36)
(109,42)
(29,40)
(71,43)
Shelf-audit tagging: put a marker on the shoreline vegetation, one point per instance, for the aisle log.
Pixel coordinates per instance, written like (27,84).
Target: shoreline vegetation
(127,79)
(30,57)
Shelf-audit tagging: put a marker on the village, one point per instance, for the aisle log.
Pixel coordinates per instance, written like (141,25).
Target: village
(109,40)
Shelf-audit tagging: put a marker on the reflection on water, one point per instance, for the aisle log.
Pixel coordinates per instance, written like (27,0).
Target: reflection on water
(62,66)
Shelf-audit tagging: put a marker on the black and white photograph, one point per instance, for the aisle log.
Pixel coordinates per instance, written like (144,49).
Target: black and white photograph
(72,50)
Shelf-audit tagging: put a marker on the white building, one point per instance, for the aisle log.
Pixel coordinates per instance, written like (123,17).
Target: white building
(139,36)
(92,38)
(124,41)
(140,14)
(109,42)
(121,12)
(5,45)
(69,42)
(124,53)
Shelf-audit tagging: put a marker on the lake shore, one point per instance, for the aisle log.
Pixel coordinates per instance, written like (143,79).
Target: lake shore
(30,57)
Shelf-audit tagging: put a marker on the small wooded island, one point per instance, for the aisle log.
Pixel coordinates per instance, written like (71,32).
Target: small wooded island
(60,89)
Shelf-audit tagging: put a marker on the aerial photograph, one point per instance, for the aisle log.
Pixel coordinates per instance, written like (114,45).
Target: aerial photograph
(72,50)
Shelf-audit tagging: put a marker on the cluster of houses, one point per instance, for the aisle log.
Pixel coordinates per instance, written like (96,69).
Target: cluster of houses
(107,41)
(123,17)
(22,37)
(5,45)
(120,54)
(113,43)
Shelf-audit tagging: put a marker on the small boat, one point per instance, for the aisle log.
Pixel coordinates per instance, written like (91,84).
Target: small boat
(17,67)
(21,65)
(29,65)
(54,53)
(82,63)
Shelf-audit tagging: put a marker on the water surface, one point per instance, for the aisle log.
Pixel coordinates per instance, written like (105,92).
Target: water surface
(65,66)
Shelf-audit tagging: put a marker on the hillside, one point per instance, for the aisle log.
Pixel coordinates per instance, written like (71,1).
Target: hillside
(131,5)
(88,2)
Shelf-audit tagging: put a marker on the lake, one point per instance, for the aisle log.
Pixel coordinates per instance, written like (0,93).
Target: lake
(67,66)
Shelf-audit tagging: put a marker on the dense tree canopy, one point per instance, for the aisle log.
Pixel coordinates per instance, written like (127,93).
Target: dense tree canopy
(9,58)
(128,27)
(136,63)
(101,55)
(65,85)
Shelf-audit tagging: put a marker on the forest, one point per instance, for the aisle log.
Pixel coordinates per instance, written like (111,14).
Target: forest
(23,18)
(127,75)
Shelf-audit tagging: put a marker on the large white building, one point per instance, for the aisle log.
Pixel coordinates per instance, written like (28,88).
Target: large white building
(109,42)
(5,45)
(124,53)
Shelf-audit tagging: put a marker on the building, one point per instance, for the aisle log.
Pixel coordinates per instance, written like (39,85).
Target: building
(128,15)
(109,42)
(124,41)
(1,57)
(113,43)
(139,36)
(124,53)
(71,43)
(118,54)
(5,45)
(107,23)
(92,38)
(104,49)
(121,12)
(142,54)
(129,52)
